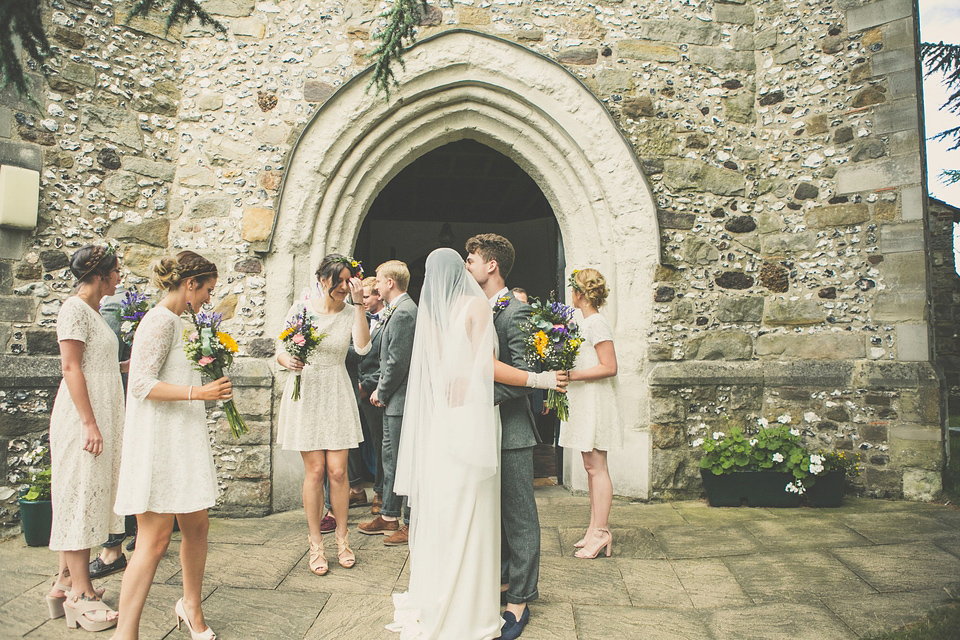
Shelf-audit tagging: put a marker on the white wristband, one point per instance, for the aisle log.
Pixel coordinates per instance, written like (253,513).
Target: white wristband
(190,394)
(545,380)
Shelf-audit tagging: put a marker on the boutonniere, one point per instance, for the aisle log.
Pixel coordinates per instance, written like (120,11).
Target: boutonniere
(385,315)
(501,304)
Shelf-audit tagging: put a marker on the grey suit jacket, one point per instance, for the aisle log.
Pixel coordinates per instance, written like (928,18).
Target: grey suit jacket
(396,348)
(519,428)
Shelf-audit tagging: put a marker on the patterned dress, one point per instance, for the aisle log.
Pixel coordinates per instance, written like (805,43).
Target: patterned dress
(167,464)
(83,486)
(326,415)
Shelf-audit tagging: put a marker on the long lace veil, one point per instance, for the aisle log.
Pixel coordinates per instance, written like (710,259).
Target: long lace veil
(449,431)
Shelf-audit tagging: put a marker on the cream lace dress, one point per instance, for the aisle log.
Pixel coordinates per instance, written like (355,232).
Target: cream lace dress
(83,486)
(595,419)
(167,465)
(326,416)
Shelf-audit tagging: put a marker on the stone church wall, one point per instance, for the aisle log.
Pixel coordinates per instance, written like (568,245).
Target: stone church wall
(781,141)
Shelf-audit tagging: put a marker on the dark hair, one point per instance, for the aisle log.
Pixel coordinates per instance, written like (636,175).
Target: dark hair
(490,246)
(170,272)
(92,260)
(331,266)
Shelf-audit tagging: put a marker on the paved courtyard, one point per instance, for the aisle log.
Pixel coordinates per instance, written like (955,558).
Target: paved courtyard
(680,570)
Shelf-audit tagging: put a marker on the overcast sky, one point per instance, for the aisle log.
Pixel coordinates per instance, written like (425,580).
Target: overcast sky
(940,21)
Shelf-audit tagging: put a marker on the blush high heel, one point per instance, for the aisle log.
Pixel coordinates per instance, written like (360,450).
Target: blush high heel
(318,559)
(606,545)
(194,635)
(345,555)
(91,615)
(55,603)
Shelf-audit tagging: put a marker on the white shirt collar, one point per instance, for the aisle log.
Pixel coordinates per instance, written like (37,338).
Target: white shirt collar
(396,301)
(497,296)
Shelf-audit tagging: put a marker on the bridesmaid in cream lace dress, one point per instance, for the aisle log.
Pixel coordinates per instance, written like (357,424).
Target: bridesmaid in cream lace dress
(325,423)
(167,469)
(85,433)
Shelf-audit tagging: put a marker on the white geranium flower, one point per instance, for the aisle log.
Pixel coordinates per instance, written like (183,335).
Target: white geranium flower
(796,488)
(784,419)
(794,431)
(816,469)
(717,435)
(126,327)
(778,457)
(697,442)
(816,459)
(753,442)
(763,422)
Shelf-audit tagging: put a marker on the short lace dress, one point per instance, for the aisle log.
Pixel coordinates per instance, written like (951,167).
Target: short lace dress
(167,465)
(326,416)
(83,486)
(595,418)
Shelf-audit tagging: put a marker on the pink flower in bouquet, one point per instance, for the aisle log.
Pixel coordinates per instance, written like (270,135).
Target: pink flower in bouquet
(194,336)
(299,339)
(205,360)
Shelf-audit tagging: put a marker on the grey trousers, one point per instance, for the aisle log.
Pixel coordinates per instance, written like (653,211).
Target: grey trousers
(520,526)
(374,418)
(392,503)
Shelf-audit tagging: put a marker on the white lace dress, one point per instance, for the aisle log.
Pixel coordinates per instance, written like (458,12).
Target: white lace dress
(595,419)
(326,416)
(167,465)
(83,486)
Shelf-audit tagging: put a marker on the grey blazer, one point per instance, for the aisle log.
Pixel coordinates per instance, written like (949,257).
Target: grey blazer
(519,428)
(396,348)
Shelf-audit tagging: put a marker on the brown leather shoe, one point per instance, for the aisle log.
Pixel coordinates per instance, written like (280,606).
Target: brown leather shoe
(377,503)
(378,526)
(358,497)
(398,539)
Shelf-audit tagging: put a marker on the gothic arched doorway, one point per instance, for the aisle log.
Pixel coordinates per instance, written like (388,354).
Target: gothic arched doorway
(461,85)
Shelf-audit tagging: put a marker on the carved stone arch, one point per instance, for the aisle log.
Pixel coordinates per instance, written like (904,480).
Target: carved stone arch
(462,84)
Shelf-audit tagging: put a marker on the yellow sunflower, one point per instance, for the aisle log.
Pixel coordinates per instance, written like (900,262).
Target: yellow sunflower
(540,341)
(228,342)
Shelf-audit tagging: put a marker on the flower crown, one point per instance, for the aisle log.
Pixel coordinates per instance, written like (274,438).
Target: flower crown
(96,257)
(572,281)
(352,264)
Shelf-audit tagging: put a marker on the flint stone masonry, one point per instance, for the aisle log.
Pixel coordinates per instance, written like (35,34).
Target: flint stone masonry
(751,169)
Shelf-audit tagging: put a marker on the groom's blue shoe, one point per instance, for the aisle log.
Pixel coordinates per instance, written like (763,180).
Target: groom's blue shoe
(512,628)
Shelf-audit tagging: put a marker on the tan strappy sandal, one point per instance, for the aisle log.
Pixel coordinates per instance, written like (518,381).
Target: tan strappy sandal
(345,555)
(91,615)
(318,559)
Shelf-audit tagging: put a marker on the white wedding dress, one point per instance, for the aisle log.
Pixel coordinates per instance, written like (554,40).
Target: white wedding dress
(449,463)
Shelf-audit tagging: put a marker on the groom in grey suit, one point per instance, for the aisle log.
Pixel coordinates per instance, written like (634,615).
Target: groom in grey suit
(489,260)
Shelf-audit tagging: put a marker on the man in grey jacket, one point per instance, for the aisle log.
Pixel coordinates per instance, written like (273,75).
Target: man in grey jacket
(489,260)
(398,323)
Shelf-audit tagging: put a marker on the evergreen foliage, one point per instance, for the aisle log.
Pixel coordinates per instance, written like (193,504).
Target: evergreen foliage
(180,12)
(945,59)
(402,21)
(20,23)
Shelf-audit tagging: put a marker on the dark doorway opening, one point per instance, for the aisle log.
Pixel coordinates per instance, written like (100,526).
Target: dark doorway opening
(452,193)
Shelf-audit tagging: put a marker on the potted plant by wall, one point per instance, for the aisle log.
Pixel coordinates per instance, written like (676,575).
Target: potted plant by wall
(36,512)
(768,466)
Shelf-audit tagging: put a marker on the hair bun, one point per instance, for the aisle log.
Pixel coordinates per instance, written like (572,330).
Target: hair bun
(166,273)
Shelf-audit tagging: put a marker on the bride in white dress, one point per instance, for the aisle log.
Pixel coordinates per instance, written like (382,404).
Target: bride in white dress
(448,460)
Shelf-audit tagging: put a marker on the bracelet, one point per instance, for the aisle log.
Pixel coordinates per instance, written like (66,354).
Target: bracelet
(190,393)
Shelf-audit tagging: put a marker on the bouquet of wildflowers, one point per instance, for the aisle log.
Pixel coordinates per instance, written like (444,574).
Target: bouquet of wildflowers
(132,309)
(552,343)
(212,351)
(299,339)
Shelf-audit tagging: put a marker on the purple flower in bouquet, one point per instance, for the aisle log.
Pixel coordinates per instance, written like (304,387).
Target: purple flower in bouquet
(131,311)
(552,344)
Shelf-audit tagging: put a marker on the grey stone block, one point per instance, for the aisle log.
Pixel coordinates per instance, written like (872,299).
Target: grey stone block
(900,34)
(703,372)
(36,85)
(808,374)
(18,308)
(877,13)
(886,62)
(689,174)
(231,8)
(822,346)
(21,154)
(838,215)
(209,206)
(901,143)
(153,232)
(251,372)
(723,59)
(740,309)
(777,244)
(680,31)
(905,270)
(142,166)
(117,125)
(721,345)
(869,176)
(643,50)
(13,243)
(79,73)
(793,312)
(911,204)
(900,306)
(913,343)
(902,84)
(20,372)
(734,14)
(897,238)
(897,115)
(766,38)
(886,375)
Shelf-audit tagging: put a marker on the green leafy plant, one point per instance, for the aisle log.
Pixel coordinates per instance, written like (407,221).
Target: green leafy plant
(779,449)
(401,25)
(39,488)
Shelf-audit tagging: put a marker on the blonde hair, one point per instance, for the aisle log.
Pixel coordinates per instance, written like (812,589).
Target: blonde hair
(593,286)
(370,282)
(169,273)
(396,270)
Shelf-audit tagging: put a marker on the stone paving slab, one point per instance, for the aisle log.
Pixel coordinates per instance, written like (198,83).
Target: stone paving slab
(680,570)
